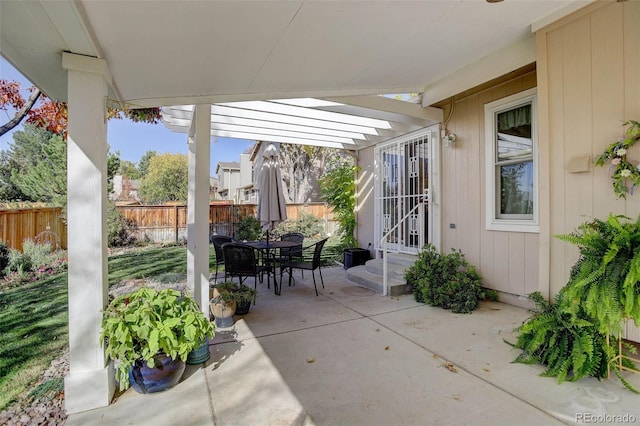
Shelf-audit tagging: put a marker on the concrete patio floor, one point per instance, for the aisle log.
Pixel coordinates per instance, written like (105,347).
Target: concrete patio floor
(353,357)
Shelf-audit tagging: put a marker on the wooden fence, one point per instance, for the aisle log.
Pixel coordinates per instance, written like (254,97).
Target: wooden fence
(169,223)
(43,224)
(155,223)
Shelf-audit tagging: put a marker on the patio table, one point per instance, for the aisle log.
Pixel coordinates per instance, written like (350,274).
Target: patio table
(267,248)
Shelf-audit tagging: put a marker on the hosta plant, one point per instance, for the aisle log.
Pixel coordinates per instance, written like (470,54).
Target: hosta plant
(147,322)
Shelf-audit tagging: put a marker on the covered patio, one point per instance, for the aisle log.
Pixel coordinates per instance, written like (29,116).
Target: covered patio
(205,54)
(352,357)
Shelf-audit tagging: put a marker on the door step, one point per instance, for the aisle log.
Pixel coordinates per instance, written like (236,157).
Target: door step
(370,275)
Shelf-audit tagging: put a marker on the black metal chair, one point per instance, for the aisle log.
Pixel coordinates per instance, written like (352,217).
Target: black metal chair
(218,241)
(240,261)
(288,255)
(309,266)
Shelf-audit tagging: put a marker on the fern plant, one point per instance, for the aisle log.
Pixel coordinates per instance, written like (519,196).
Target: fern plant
(605,282)
(569,346)
(569,336)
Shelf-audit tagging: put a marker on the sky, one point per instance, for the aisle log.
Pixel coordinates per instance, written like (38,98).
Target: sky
(131,139)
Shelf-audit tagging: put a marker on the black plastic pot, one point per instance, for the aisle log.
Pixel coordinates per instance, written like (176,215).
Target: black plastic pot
(355,257)
(242,307)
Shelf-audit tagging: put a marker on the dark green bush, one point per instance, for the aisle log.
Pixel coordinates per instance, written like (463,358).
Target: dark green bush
(447,281)
(248,228)
(4,257)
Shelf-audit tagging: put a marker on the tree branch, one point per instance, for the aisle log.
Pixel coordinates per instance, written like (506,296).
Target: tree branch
(22,113)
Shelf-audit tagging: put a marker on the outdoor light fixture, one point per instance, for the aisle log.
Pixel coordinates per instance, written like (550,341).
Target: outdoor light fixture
(449,140)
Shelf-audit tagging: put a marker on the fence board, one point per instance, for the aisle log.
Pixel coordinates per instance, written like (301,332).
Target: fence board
(157,223)
(20,224)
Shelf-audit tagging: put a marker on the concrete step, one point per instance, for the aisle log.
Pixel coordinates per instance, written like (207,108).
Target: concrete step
(401,259)
(395,270)
(361,276)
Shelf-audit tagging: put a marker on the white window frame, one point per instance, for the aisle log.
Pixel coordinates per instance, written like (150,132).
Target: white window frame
(491,110)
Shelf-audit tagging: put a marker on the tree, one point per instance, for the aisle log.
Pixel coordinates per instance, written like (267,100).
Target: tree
(34,168)
(143,164)
(302,167)
(113,165)
(339,190)
(128,169)
(166,180)
(52,115)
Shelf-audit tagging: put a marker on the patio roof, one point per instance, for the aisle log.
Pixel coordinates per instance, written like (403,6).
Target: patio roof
(186,52)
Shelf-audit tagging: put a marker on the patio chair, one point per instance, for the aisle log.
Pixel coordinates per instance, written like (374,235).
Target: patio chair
(218,241)
(288,255)
(309,266)
(240,261)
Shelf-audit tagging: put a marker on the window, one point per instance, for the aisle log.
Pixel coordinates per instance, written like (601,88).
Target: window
(512,163)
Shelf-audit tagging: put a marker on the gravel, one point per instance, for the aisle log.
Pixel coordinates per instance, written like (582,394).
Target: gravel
(48,409)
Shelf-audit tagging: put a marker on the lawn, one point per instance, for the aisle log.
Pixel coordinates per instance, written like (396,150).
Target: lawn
(33,316)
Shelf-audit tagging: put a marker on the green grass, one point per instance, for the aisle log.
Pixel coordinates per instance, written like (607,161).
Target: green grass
(33,317)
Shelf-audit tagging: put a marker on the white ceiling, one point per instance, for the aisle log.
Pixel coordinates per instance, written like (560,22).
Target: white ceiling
(180,52)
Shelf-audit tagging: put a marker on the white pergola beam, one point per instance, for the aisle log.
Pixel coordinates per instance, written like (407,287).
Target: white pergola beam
(399,109)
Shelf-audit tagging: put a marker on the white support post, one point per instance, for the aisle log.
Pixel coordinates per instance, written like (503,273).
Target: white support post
(90,383)
(198,206)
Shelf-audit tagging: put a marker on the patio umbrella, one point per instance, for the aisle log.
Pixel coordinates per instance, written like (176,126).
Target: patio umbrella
(271,205)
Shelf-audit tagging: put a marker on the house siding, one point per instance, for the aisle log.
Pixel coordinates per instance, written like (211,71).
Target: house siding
(588,72)
(507,261)
(365,195)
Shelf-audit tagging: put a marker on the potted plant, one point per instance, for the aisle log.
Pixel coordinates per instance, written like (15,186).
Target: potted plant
(244,296)
(223,303)
(149,334)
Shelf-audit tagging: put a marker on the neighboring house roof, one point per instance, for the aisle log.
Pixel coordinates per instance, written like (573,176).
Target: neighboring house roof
(226,165)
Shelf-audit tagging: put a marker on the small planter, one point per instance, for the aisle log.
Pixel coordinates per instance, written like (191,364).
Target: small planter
(243,307)
(222,311)
(166,373)
(199,354)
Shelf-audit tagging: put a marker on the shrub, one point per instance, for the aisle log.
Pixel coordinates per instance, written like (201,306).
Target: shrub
(4,257)
(19,262)
(307,224)
(120,230)
(447,281)
(39,255)
(248,228)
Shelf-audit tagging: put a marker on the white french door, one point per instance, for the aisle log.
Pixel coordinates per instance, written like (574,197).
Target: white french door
(407,179)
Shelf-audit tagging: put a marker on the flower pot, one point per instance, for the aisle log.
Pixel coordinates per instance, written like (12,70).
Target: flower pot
(223,312)
(243,307)
(166,373)
(199,354)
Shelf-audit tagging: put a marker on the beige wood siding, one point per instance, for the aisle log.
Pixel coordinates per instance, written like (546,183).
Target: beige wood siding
(365,208)
(507,261)
(589,73)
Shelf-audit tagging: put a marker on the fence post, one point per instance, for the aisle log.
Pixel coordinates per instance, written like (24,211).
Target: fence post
(175,214)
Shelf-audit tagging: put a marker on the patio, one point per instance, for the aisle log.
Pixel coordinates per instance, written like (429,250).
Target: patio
(352,357)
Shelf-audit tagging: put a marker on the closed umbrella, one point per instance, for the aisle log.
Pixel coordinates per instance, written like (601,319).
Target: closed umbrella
(271,205)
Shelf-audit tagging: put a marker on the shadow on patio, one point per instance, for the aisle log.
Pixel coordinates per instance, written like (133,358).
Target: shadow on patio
(352,357)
